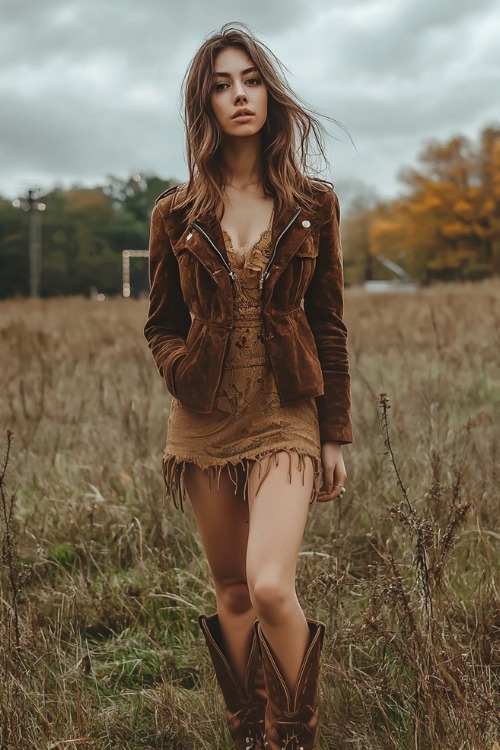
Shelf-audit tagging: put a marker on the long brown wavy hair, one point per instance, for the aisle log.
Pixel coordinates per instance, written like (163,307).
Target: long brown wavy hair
(287,158)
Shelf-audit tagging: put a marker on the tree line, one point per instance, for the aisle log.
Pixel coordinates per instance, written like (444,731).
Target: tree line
(444,225)
(84,231)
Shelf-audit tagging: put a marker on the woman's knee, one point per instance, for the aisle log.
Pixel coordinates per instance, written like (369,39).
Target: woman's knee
(271,596)
(233,596)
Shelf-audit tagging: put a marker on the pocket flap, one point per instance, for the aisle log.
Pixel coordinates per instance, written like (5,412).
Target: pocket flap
(308,249)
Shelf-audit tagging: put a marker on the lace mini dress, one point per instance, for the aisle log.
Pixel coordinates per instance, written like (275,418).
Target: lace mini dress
(247,422)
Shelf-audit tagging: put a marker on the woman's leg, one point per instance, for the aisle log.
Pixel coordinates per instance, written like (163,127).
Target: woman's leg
(278,515)
(222,520)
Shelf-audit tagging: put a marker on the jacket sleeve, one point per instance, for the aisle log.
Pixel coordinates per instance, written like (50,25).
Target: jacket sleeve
(324,308)
(169,318)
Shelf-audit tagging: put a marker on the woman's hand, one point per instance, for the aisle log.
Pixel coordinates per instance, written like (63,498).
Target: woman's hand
(334,472)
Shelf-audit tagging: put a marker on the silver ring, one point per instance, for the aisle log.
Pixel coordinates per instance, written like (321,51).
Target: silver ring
(342,488)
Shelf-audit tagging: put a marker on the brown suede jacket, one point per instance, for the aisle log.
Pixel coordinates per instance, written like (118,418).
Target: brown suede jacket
(191,308)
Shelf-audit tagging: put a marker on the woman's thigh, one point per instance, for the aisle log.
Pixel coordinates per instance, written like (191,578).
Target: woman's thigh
(221,516)
(278,515)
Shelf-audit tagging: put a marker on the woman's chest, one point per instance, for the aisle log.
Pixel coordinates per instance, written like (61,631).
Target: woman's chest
(245,220)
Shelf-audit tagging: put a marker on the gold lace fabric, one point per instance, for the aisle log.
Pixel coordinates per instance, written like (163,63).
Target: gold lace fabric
(253,257)
(247,375)
(247,421)
(249,273)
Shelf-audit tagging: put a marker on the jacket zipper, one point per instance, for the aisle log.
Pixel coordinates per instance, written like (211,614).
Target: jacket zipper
(268,267)
(205,235)
(230,270)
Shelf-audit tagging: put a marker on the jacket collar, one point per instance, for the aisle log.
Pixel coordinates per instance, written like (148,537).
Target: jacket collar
(211,225)
(290,228)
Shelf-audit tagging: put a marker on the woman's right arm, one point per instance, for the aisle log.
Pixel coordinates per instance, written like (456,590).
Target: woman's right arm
(169,319)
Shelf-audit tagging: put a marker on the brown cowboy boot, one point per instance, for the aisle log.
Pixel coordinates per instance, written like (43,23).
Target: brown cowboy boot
(292,720)
(245,706)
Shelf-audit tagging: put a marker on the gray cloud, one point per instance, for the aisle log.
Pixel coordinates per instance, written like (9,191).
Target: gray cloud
(90,88)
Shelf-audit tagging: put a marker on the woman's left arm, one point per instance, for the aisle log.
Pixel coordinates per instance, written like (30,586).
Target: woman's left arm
(324,307)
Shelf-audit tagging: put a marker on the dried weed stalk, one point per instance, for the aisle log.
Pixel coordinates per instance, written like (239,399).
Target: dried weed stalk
(413,609)
(9,553)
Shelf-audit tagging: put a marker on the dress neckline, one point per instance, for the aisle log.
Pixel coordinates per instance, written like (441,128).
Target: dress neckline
(236,254)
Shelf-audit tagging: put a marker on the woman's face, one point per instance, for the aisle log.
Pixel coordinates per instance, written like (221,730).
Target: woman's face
(237,85)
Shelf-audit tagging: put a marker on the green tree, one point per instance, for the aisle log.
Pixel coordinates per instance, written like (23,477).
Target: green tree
(84,233)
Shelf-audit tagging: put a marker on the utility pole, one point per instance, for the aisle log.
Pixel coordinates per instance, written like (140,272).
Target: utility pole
(34,207)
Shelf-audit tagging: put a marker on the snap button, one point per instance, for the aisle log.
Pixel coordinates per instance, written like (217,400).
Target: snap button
(306,224)
(189,236)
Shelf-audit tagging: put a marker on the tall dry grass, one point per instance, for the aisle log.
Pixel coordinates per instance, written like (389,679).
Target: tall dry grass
(101,585)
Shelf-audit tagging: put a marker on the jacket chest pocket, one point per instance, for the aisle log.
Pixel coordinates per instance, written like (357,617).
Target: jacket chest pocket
(196,280)
(305,262)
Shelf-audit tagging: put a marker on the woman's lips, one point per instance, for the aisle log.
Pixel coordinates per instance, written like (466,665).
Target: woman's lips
(243,118)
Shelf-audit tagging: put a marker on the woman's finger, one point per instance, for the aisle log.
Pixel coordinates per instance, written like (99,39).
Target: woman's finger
(328,490)
(328,478)
(334,479)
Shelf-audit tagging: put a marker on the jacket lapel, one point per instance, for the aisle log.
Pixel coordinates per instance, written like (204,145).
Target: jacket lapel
(195,241)
(213,229)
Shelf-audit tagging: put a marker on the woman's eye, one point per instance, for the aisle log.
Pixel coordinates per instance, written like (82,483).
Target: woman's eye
(251,81)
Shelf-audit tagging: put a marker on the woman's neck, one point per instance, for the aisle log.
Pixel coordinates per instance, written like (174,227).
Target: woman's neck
(241,159)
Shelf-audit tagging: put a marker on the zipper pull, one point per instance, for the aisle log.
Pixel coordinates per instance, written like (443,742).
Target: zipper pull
(263,277)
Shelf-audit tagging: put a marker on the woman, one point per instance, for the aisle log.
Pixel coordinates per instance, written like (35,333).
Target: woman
(245,325)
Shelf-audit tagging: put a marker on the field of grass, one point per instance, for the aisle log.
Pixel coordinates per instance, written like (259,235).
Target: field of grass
(101,583)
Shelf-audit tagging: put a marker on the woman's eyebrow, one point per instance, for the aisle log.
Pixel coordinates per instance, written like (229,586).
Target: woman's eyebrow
(243,72)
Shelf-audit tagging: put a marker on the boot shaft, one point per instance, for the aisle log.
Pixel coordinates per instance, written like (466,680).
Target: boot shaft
(244,704)
(292,717)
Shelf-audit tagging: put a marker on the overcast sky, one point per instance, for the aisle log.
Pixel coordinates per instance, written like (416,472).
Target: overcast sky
(90,88)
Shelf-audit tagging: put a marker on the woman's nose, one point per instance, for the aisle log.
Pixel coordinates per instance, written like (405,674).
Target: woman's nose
(240,95)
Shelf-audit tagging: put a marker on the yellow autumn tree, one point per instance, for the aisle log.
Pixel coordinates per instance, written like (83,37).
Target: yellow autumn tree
(356,225)
(446,224)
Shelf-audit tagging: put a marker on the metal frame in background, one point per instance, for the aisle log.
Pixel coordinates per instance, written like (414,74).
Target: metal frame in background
(126,255)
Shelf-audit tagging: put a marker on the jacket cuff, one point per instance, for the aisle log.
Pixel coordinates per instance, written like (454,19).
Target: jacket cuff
(335,434)
(334,415)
